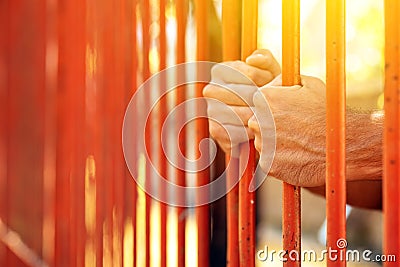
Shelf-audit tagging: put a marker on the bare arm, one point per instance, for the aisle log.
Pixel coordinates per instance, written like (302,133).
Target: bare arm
(299,115)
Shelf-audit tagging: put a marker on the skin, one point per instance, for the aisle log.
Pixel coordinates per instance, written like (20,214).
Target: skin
(299,115)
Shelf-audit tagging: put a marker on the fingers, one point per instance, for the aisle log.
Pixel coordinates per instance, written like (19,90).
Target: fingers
(229,136)
(238,72)
(231,94)
(224,114)
(263,59)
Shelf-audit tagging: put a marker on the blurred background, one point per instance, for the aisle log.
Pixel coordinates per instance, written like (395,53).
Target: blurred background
(67,71)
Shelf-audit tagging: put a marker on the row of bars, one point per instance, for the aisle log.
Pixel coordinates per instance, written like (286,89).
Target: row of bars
(335,129)
(76,94)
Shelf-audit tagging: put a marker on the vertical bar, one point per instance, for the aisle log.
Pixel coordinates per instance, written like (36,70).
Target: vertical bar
(162,116)
(391,137)
(145,14)
(95,89)
(201,131)
(247,211)
(109,56)
(134,86)
(231,50)
(335,126)
(25,103)
(118,97)
(50,134)
(71,101)
(4,117)
(290,76)
(181,13)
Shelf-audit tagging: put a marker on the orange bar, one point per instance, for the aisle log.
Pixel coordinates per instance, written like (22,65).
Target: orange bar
(133,185)
(146,16)
(201,129)
(291,213)
(4,129)
(391,137)
(23,67)
(95,117)
(162,117)
(181,9)
(109,119)
(118,105)
(70,119)
(335,125)
(247,211)
(231,48)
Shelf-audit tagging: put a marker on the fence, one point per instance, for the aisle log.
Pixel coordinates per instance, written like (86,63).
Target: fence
(68,70)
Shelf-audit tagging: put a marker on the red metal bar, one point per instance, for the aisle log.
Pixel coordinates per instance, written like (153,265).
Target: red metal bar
(95,90)
(146,21)
(247,210)
(72,100)
(4,128)
(181,9)
(201,132)
(335,126)
(25,104)
(391,137)
(50,133)
(291,221)
(162,116)
(109,82)
(231,50)
(134,72)
(118,102)
(94,126)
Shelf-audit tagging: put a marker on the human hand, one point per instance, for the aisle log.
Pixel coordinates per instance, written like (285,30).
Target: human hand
(230,97)
(299,117)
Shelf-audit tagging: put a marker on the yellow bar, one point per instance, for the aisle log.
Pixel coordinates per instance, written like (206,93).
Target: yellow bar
(231,29)
(391,135)
(249,27)
(231,47)
(335,123)
(290,76)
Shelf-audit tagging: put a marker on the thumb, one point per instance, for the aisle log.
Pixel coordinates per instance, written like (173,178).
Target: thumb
(263,59)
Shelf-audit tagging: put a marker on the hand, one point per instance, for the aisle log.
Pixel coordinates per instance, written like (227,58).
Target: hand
(230,97)
(299,116)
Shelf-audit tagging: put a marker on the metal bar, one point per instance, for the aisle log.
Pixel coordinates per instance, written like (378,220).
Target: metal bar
(77,44)
(391,137)
(247,210)
(109,81)
(4,119)
(181,9)
(291,221)
(335,126)
(95,90)
(162,116)
(134,88)
(201,132)
(71,115)
(118,102)
(68,80)
(231,50)
(146,21)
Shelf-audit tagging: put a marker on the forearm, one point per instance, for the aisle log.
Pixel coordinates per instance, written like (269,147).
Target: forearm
(364,160)
(301,152)
(364,146)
